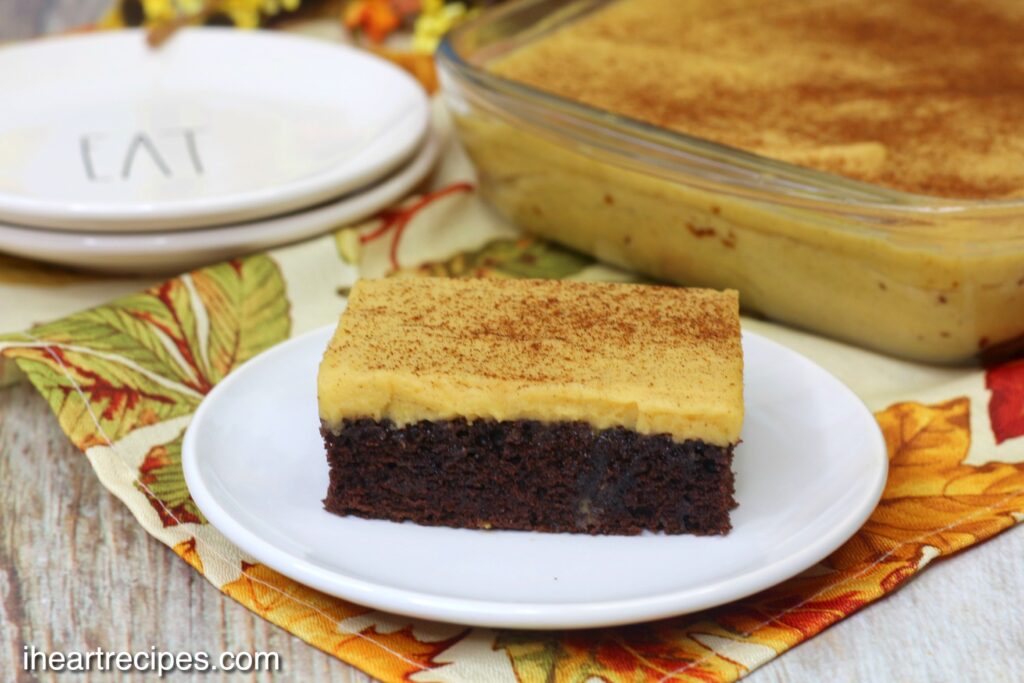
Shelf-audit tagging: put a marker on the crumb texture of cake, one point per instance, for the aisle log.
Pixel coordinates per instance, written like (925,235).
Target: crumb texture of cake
(528,475)
(653,360)
(915,95)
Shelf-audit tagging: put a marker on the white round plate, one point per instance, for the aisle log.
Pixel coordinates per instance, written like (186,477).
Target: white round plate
(100,132)
(177,251)
(810,470)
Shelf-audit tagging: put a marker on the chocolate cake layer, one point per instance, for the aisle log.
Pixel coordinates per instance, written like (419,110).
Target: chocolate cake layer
(529,475)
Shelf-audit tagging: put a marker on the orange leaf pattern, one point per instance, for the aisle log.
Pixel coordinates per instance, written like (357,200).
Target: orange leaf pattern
(186,550)
(317,618)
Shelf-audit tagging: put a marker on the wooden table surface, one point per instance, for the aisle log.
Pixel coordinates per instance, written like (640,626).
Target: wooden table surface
(77,572)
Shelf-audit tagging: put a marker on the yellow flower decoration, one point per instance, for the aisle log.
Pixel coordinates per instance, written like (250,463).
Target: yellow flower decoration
(157,13)
(434,21)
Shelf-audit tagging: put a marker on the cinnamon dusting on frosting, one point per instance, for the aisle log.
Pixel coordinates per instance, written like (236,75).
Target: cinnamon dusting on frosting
(920,96)
(652,359)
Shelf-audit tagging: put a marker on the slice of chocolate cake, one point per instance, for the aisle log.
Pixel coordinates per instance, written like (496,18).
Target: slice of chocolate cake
(534,404)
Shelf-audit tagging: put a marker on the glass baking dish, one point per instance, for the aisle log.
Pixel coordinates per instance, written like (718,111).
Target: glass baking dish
(920,277)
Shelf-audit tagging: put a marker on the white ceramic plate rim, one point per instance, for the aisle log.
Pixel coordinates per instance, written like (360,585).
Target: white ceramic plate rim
(381,156)
(519,614)
(85,249)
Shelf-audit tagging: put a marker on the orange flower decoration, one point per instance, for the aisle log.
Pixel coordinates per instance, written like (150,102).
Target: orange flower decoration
(375,18)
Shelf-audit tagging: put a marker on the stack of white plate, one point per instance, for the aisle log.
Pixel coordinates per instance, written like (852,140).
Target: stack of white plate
(118,157)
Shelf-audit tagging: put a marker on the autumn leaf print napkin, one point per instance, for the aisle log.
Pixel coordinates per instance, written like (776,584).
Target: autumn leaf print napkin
(124,378)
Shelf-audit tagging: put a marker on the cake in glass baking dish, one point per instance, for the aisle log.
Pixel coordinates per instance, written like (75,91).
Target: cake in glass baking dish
(909,94)
(853,168)
(534,405)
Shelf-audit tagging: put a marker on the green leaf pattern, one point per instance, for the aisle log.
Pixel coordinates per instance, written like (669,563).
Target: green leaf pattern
(152,356)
